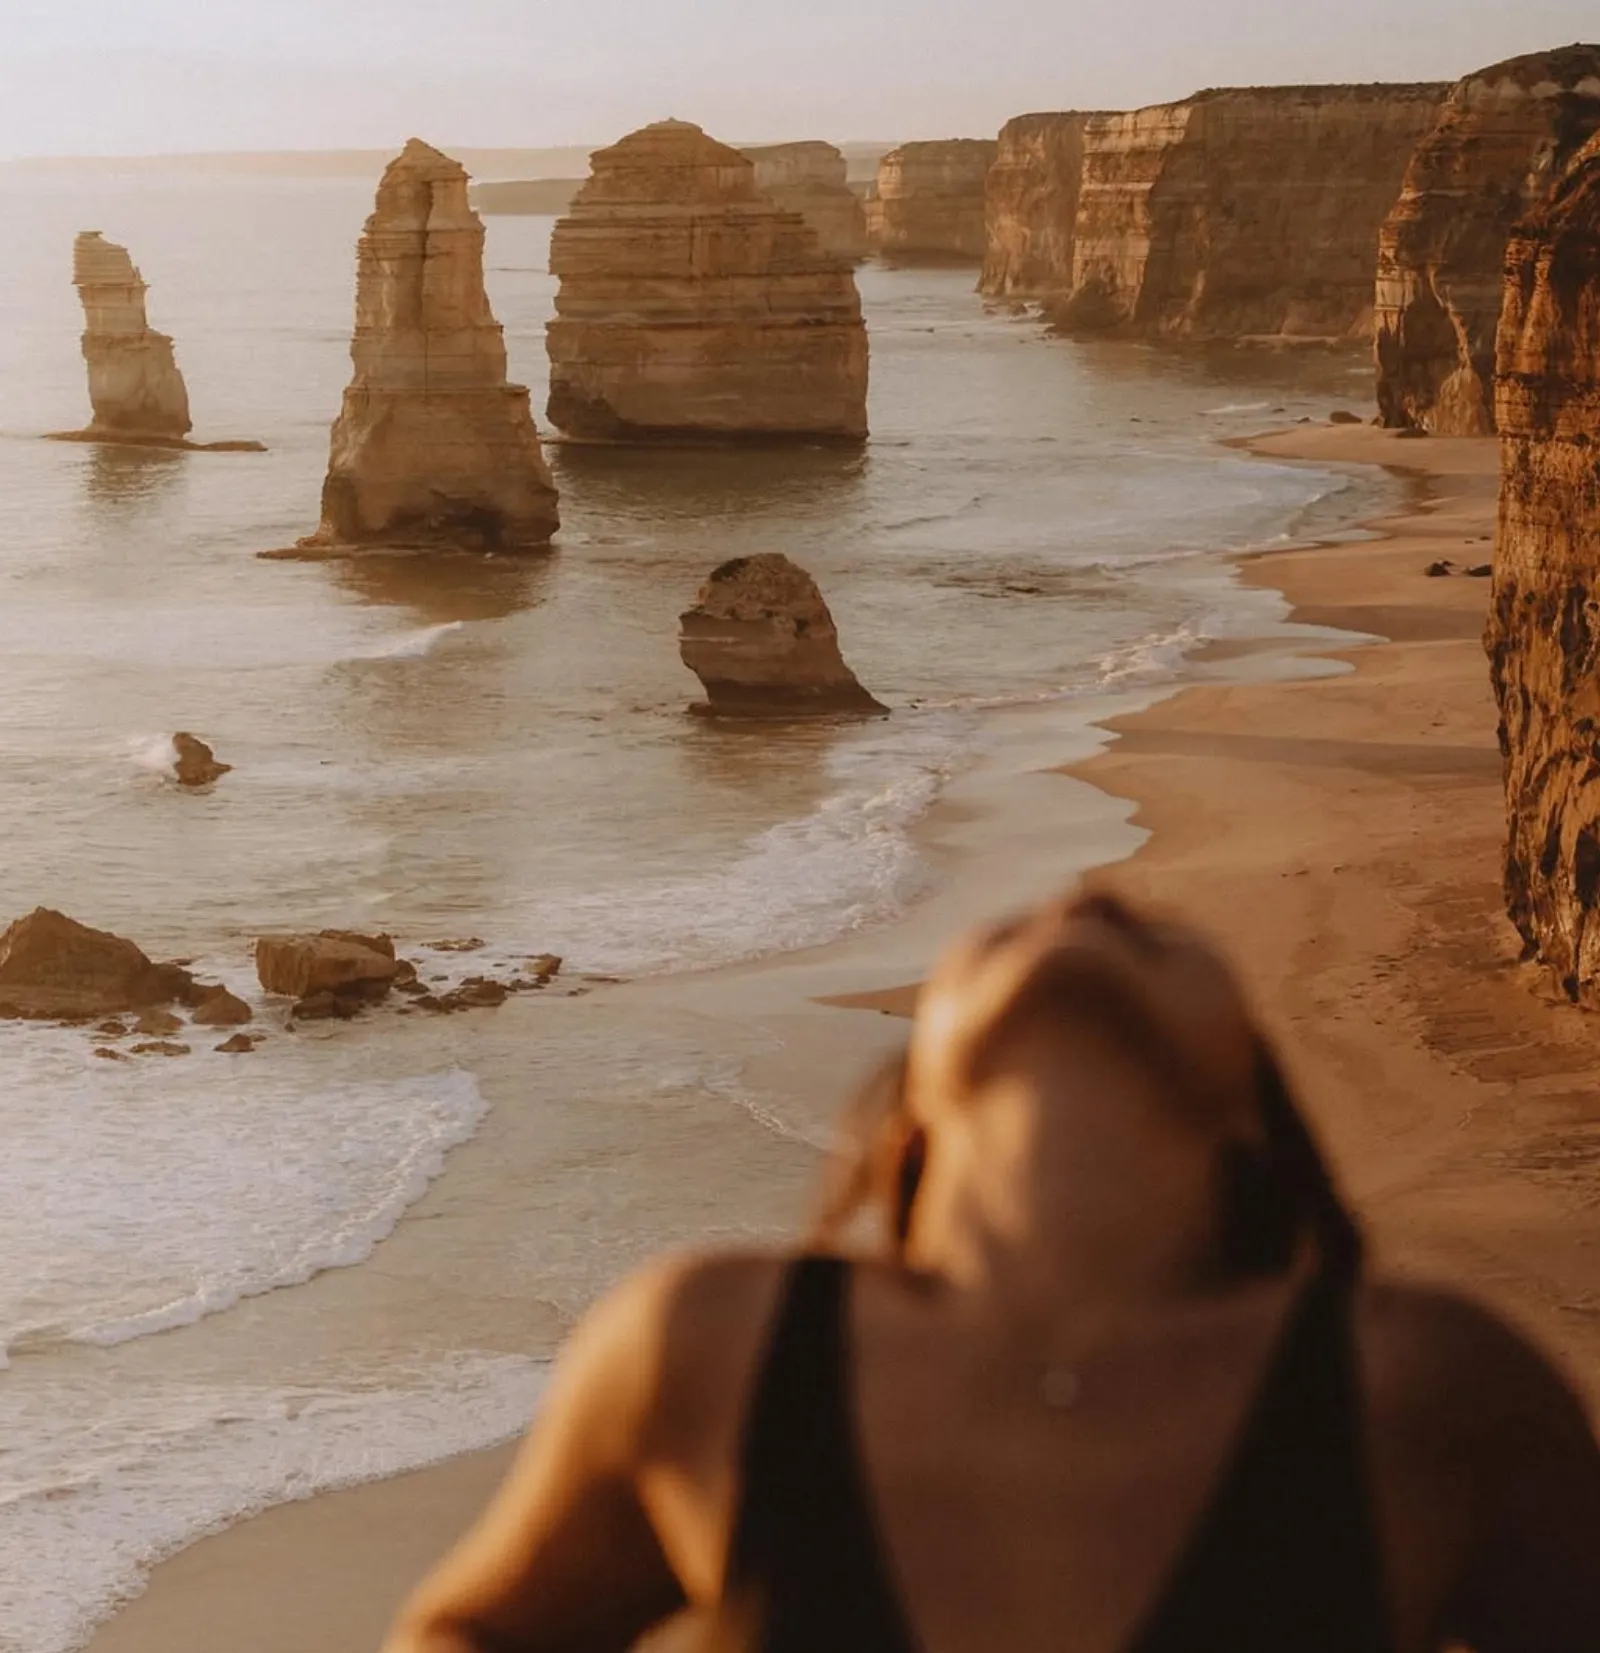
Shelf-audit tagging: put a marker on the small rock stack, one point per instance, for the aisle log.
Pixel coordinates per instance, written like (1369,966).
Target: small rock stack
(930,201)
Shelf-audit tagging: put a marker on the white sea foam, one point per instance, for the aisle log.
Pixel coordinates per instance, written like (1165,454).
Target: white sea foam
(153,752)
(96,1487)
(416,645)
(134,1199)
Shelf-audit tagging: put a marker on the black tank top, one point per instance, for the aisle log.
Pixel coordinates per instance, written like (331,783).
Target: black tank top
(1285,1558)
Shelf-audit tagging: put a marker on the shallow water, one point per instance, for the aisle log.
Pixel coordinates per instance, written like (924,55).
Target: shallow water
(441,746)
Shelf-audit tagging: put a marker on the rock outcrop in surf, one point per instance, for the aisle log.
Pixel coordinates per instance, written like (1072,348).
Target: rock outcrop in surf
(762,642)
(810,179)
(1503,138)
(929,204)
(52,968)
(433,448)
(1543,634)
(692,308)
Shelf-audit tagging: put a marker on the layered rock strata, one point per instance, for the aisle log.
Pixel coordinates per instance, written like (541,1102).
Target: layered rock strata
(1243,213)
(1544,626)
(135,389)
(810,179)
(930,200)
(432,447)
(762,642)
(1031,207)
(693,308)
(1504,136)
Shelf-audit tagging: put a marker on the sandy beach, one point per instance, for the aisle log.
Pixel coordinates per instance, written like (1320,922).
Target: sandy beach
(1341,830)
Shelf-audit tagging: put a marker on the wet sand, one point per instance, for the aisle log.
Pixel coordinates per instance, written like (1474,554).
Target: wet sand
(1343,834)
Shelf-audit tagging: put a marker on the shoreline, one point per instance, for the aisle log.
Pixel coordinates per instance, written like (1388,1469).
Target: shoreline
(1192,777)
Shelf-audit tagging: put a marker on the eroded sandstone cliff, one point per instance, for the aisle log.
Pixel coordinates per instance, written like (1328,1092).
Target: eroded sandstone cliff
(1031,207)
(1239,214)
(1544,626)
(810,179)
(762,641)
(1504,136)
(692,307)
(135,389)
(930,200)
(432,446)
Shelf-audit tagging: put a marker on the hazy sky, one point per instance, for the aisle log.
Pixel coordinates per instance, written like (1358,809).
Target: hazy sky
(89,77)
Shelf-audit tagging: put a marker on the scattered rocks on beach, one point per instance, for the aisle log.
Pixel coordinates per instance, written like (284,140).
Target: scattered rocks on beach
(157,1024)
(220,1008)
(335,973)
(1343,416)
(195,763)
(160,1047)
(433,447)
(241,1044)
(762,641)
(53,968)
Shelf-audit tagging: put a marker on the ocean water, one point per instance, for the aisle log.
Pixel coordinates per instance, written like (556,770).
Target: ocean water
(444,746)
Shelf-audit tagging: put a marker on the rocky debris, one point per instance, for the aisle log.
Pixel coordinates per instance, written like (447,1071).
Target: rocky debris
(1502,139)
(544,967)
(762,642)
(1481,571)
(1241,214)
(157,1024)
(160,1047)
(107,1055)
(433,447)
(930,201)
(53,968)
(335,973)
(469,944)
(112,1029)
(241,1044)
(692,308)
(1438,570)
(1031,197)
(810,179)
(1343,416)
(135,388)
(475,993)
(1543,634)
(220,1008)
(195,763)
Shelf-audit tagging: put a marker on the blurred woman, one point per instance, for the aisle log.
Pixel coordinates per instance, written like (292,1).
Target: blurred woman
(1111,1378)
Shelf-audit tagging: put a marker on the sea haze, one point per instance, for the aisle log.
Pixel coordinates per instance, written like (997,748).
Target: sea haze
(446,747)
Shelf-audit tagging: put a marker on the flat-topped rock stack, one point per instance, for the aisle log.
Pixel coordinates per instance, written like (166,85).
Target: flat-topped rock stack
(1031,200)
(693,308)
(1504,137)
(930,201)
(432,447)
(1241,214)
(761,640)
(136,392)
(810,179)
(1544,625)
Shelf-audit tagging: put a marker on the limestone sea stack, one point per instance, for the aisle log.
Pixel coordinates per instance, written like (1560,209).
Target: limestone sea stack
(930,201)
(432,448)
(810,179)
(1504,137)
(1241,214)
(135,389)
(693,308)
(1544,625)
(762,642)
(1031,200)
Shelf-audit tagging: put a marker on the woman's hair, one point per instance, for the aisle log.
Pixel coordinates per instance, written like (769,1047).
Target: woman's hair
(1271,1194)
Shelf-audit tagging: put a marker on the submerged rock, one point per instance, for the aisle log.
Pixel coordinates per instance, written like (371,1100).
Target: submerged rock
(692,308)
(1543,634)
(241,1044)
(761,640)
(195,763)
(1503,139)
(217,1007)
(432,448)
(930,200)
(53,968)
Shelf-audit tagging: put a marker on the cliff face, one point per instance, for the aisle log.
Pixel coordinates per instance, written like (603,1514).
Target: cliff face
(432,446)
(691,307)
(809,178)
(135,389)
(1503,138)
(1240,214)
(1544,626)
(1031,207)
(931,200)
